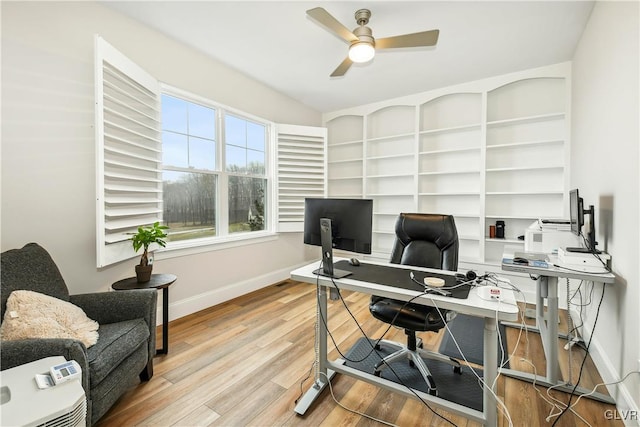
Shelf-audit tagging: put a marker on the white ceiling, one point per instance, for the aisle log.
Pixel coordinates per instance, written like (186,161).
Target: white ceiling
(277,44)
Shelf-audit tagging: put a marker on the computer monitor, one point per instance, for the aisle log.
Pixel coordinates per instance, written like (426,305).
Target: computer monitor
(576,217)
(576,214)
(338,224)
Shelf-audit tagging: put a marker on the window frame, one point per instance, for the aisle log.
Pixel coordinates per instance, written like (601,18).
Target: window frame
(293,156)
(223,237)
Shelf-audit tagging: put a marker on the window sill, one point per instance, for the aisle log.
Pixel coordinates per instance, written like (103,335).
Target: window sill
(178,249)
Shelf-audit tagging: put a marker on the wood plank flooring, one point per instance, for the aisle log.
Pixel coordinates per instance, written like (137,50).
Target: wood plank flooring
(245,362)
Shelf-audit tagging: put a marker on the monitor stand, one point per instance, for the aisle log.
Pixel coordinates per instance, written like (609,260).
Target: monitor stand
(327,252)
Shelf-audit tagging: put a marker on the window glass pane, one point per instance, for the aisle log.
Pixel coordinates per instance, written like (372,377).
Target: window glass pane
(256,135)
(236,159)
(202,154)
(235,131)
(246,204)
(189,204)
(255,162)
(202,121)
(174,149)
(174,114)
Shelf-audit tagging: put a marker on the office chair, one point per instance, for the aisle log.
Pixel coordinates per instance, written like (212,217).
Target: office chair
(422,240)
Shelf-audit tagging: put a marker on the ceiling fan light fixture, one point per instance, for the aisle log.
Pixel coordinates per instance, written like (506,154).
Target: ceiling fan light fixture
(360,52)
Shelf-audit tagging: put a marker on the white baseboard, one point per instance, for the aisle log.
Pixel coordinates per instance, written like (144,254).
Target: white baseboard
(178,309)
(625,403)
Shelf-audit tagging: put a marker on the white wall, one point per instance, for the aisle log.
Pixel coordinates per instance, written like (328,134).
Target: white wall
(605,158)
(48,147)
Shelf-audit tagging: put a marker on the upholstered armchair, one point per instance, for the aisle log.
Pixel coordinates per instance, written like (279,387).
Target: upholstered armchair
(126,344)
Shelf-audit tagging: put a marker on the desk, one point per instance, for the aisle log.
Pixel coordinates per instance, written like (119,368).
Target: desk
(158,281)
(473,305)
(547,322)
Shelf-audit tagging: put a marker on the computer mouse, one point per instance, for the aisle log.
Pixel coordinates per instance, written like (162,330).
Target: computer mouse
(354,261)
(519,260)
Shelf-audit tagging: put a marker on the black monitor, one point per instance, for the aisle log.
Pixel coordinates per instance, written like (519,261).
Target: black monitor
(338,224)
(576,217)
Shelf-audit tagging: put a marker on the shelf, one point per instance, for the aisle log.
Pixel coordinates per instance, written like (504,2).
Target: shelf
(391,137)
(335,162)
(494,240)
(345,196)
(527,119)
(449,194)
(456,172)
(404,175)
(345,178)
(383,232)
(475,238)
(393,156)
(453,150)
(339,144)
(475,126)
(524,193)
(525,143)
(533,218)
(524,168)
(389,195)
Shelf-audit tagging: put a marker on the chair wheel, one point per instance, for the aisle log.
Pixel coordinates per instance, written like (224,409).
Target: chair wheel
(432,386)
(457,370)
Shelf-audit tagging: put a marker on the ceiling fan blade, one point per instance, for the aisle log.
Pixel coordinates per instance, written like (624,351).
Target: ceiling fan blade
(424,38)
(332,24)
(342,68)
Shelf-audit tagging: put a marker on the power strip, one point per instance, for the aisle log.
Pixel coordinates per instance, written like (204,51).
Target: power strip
(489,293)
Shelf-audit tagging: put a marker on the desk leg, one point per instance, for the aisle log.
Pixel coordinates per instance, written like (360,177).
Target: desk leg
(165,322)
(548,324)
(490,368)
(324,375)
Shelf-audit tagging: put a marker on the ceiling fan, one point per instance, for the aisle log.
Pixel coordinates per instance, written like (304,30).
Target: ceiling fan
(362,45)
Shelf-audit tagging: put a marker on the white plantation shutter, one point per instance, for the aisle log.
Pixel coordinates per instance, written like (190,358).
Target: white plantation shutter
(128,154)
(301,167)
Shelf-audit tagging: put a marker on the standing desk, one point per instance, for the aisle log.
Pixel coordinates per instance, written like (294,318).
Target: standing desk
(547,322)
(491,311)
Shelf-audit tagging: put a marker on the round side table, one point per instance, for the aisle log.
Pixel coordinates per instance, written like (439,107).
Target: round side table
(158,281)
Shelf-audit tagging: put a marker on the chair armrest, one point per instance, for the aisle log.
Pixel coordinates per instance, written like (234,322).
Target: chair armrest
(19,352)
(118,306)
(112,307)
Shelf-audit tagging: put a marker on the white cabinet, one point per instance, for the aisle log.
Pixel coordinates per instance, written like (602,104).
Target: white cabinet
(487,151)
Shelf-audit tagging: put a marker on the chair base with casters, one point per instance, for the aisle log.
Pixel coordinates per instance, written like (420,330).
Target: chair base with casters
(414,352)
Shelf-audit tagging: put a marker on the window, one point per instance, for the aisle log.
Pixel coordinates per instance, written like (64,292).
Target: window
(245,151)
(195,168)
(166,155)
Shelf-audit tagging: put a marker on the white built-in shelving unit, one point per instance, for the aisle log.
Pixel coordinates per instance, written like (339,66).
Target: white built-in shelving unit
(486,151)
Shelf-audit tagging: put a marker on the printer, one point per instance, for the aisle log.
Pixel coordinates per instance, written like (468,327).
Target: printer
(548,235)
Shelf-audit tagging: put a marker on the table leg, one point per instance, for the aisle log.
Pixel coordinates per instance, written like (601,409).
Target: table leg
(324,374)
(490,367)
(165,322)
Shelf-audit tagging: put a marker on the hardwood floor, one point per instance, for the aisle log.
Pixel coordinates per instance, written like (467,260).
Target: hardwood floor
(244,363)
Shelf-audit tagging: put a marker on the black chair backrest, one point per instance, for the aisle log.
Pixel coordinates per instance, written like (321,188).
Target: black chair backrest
(426,240)
(30,268)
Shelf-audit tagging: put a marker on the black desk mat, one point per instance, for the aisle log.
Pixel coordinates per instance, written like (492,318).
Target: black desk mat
(391,276)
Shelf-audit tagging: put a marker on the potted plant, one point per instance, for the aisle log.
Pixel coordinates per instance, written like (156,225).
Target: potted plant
(145,236)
